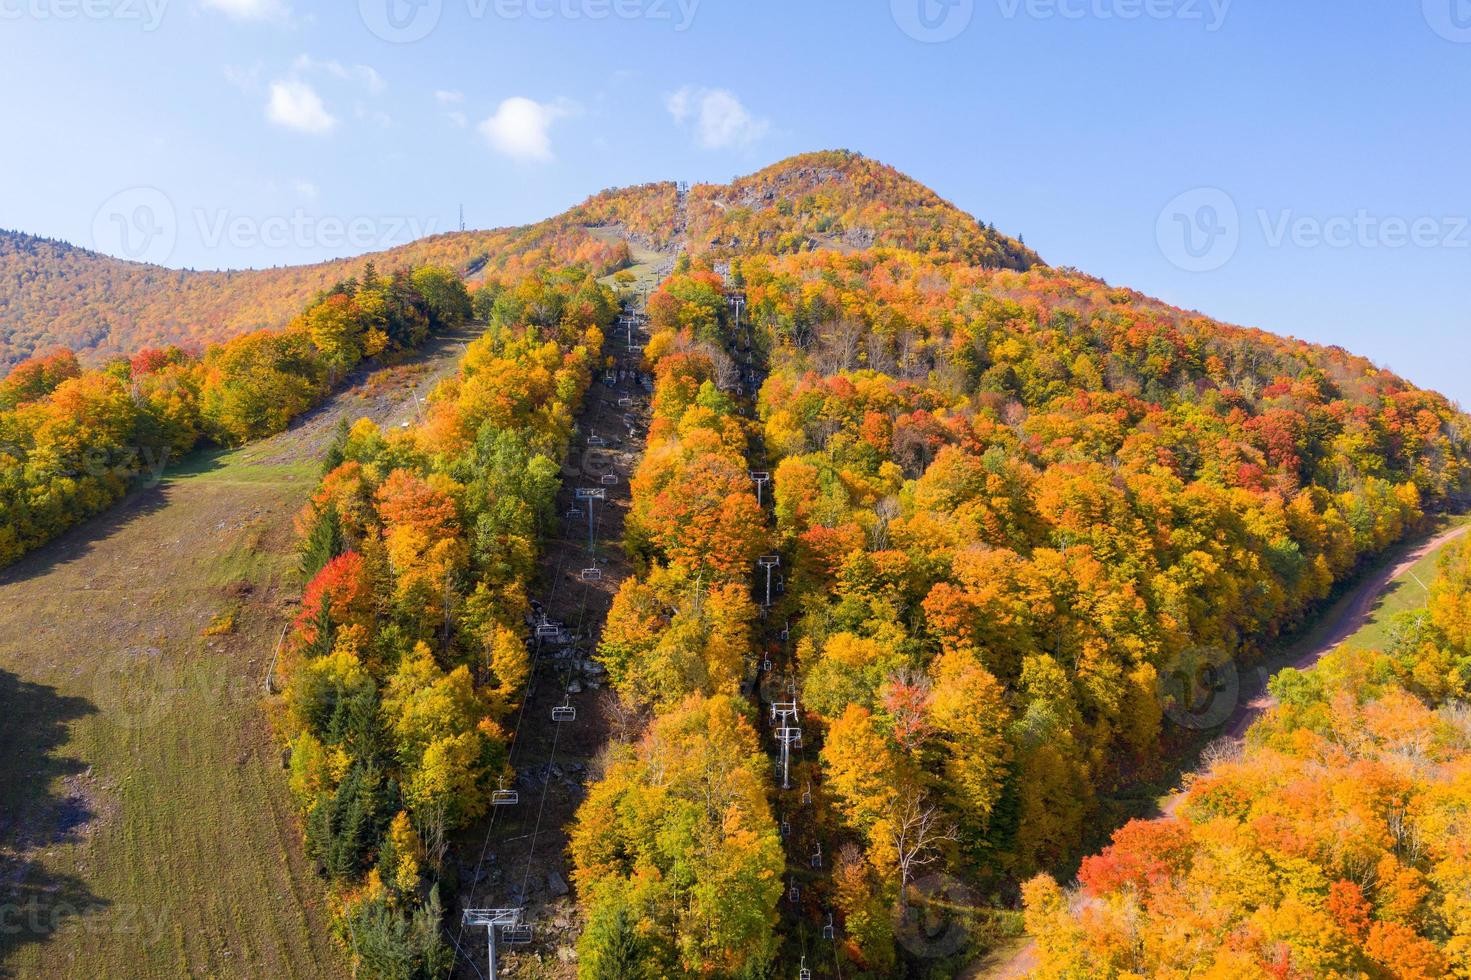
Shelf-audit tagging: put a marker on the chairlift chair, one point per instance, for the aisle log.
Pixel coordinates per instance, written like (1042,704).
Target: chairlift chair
(564,712)
(592,574)
(504,797)
(516,935)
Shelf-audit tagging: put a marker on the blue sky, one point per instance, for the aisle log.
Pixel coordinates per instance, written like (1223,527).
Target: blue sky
(1297,166)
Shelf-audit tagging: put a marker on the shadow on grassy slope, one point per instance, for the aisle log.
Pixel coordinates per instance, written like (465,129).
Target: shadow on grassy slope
(41,805)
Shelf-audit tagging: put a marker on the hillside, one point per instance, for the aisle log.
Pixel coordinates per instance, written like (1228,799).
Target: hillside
(1016,521)
(57,295)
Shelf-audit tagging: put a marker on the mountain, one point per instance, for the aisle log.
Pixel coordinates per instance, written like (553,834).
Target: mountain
(55,294)
(834,199)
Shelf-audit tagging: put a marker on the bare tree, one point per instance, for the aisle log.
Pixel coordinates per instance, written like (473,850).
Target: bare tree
(838,350)
(919,829)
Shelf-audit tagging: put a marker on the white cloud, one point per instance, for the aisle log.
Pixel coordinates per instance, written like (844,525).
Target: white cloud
(296,105)
(449,96)
(364,75)
(250,9)
(368,114)
(720,120)
(521,128)
(245,79)
(305,189)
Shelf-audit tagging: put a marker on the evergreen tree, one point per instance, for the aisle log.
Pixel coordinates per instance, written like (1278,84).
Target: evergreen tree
(336,452)
(323,543)
(610,948)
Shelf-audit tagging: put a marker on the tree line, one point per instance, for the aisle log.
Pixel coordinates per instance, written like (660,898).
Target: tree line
(73,441)
(410,653)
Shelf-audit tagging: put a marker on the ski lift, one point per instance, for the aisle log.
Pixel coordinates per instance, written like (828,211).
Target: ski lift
(807,793)
(625,402)
(766,665)
(564,712)
(610,479)
(547,631)
(817,856)
(595,440)
(794,894)
(828,932)
(504,797)
(804,973)
(592,574)
(516,935)
(573,513)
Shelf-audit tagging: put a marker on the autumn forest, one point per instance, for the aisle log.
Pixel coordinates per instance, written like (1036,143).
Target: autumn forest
(929,560)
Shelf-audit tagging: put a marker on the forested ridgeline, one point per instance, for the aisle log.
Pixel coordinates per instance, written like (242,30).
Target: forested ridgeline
(1337,842)
(57,295)
(410,651)
(73,441)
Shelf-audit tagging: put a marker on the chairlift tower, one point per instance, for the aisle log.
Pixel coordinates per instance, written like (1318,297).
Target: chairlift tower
(760,478)
(788,736)
(769,562)
(590,495)
(491,920)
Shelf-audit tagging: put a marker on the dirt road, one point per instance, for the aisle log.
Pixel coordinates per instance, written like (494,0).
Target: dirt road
(1346,618)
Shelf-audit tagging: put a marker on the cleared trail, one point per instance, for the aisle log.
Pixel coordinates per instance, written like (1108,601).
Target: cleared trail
(145,825)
